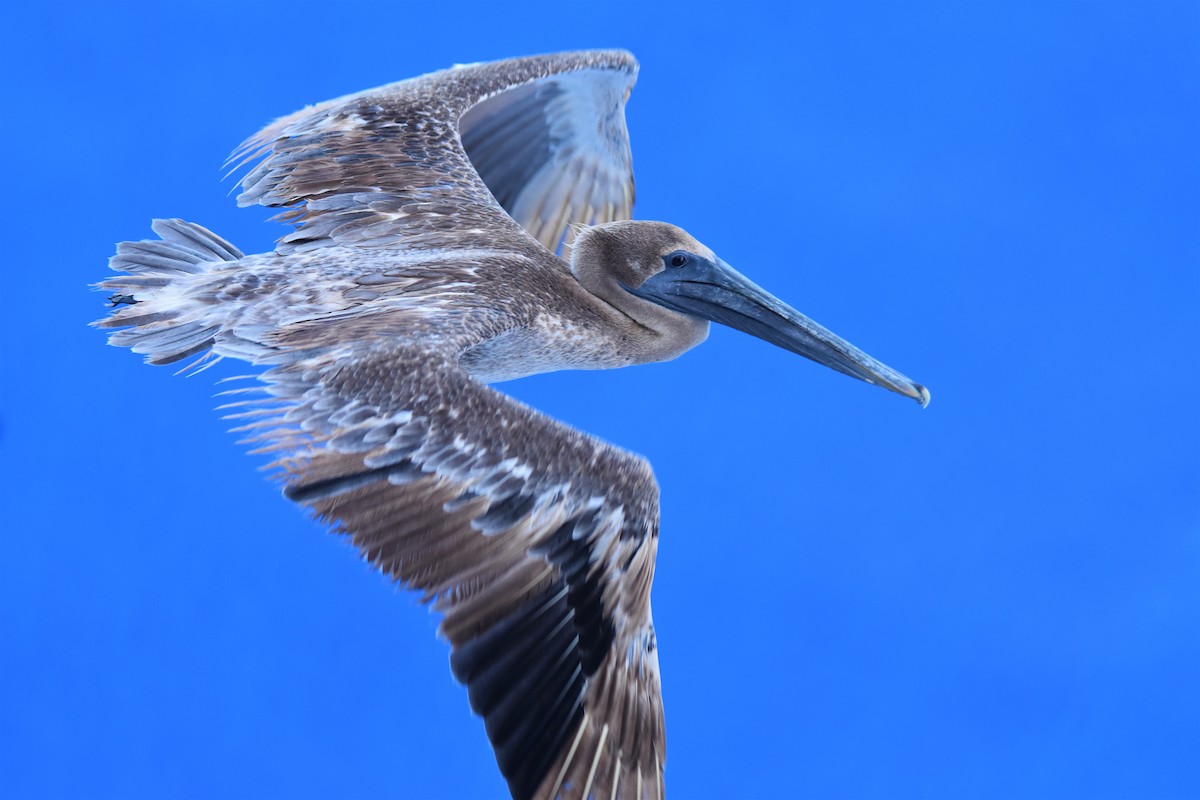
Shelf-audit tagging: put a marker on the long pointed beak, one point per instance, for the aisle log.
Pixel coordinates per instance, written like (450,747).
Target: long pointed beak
(716,291)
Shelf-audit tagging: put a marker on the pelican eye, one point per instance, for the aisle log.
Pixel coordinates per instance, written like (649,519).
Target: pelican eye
(677,259)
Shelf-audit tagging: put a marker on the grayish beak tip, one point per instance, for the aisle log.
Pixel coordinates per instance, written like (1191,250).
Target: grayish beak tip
(922,395)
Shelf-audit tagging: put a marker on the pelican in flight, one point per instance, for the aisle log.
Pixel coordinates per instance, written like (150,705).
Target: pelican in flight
(423,266)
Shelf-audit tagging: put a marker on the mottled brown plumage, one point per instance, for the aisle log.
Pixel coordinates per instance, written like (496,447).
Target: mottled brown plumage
(402,271)
(423,266)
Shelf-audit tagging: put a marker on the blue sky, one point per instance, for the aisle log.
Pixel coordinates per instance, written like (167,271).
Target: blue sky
(998,597)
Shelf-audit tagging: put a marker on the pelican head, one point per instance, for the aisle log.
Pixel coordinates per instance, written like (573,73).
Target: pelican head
(666,281)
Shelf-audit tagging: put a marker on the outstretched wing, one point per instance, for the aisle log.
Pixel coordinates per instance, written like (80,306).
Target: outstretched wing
(535,541)
(542,139)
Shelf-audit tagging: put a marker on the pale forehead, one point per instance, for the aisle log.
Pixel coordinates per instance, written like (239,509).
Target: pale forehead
(693,245)
(671,237)
(634,239)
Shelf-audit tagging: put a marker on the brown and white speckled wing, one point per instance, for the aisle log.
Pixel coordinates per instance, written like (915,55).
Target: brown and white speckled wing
(535,541)
(457,154)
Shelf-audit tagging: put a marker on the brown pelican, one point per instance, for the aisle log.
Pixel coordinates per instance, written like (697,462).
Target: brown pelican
(428,214)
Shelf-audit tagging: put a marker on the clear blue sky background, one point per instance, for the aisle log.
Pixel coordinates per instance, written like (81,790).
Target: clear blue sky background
(998,597)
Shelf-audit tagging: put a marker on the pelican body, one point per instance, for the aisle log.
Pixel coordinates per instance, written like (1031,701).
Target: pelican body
(425,264)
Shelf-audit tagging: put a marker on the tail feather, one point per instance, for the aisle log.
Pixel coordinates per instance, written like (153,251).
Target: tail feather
(141,258)
(198,238)
(161,320)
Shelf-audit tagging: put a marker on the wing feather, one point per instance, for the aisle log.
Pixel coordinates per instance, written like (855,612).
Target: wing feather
(533,143)
(534,541)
